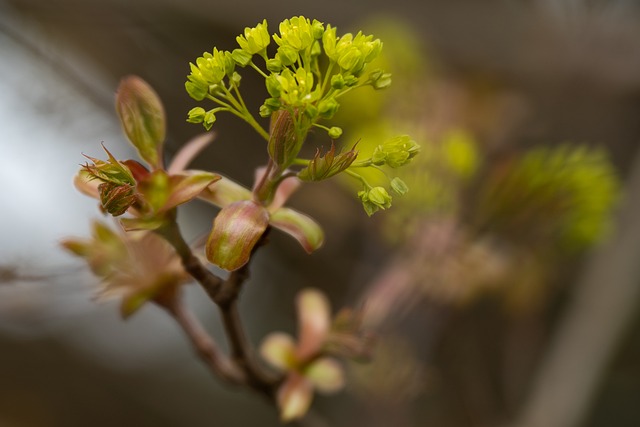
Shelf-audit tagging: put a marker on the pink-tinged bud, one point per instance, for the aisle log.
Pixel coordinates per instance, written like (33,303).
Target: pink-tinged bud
(283,144)
(236,230)
(142,117)
(328,165)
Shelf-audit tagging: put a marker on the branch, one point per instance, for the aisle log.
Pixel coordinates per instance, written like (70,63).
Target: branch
(204,344)
(209,281)
(225,295)
(241,350)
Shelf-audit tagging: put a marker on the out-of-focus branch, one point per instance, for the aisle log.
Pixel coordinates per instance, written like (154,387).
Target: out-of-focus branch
(205,345)
(593,325)
(224,293)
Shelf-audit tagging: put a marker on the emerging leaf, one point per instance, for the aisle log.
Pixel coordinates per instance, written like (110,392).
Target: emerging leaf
(225,192)
(294,397)
(164,192)
(326,375)
(314,321)
(142,117)
(236,230)
(279,350)
(328,165)
(301,227)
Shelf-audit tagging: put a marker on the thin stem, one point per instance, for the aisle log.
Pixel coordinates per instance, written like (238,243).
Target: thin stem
(220,102)
(237,92)
(327,76)
(232,99)
(204,344)
(300,162)
(255,67)
(358,177)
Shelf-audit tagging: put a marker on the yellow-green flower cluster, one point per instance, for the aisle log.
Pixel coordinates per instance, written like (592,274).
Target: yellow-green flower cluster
(208,73)
(311,68)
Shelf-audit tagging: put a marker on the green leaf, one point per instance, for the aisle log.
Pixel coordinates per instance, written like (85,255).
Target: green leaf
(142,117)
(236,230)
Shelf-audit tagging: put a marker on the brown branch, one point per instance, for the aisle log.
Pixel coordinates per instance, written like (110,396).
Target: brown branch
(205,346)
(241,350)
(209,281)
(225,295)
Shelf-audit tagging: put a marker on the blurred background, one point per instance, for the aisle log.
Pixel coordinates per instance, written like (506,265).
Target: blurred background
(503,287)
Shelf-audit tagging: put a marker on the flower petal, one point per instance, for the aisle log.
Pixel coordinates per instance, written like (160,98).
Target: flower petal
(301,227)
(294,397)
(236,230)
(313,322)
(279,350)
(326,375)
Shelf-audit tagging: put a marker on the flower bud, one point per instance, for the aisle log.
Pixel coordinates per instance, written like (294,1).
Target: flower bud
(236,78)
(282,146)
(329,41)
(116,199)
(196,115)
(254,40)
(241,57)
(297,33)
(209,119)
(317,29)
(274,65)
(379,79)
(374,199)
(350,59)
(287,55)
(337,81)
(335,132)
(396,152)
(328,107)
(399,186)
